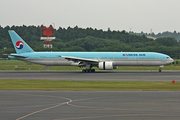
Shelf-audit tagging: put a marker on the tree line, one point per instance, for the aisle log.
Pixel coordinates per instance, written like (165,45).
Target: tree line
(89,39)
(174,34)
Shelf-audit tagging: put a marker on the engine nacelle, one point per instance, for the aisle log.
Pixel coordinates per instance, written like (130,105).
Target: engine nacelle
(105,65)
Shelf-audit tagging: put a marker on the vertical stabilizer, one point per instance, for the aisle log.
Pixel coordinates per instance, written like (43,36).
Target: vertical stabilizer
(19,44)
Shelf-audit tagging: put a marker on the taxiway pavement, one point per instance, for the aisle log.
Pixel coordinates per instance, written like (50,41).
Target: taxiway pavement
(89,105)
(97,76)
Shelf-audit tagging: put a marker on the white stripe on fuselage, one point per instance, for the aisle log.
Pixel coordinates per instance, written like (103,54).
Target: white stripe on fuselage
(116,62)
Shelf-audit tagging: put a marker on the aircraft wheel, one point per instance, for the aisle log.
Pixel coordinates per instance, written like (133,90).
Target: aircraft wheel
(87,70)
(159,70)
(83,71)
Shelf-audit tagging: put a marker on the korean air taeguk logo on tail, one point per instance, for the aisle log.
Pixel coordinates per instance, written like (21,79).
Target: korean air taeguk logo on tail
(19,45)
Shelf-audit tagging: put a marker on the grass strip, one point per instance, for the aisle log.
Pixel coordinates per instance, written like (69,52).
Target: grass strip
(86,85)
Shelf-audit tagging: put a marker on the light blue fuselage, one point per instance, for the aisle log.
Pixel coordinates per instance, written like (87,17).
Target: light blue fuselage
(118,58)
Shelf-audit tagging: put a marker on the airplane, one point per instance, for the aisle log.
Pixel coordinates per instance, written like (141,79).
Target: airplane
(102,60)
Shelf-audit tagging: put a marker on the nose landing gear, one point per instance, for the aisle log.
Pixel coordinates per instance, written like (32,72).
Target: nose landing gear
(160,68)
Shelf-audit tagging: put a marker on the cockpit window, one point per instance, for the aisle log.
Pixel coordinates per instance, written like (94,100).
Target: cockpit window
(167,57)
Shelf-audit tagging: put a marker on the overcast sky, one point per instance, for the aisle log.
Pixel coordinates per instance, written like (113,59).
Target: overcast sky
(137,15)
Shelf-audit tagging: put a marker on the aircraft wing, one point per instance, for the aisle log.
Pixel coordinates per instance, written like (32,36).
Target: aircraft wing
(77,59)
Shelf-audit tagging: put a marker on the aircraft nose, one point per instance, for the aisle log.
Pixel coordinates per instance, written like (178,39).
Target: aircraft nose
(171,60)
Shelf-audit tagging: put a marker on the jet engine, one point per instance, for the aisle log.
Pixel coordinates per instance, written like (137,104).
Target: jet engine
(105,65)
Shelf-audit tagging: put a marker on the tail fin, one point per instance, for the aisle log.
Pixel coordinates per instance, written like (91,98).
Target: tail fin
(19,44)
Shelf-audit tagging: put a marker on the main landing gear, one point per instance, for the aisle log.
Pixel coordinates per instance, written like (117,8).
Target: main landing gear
(88,70)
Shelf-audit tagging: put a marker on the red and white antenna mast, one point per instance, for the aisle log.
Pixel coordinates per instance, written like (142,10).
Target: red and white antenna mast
(46,32)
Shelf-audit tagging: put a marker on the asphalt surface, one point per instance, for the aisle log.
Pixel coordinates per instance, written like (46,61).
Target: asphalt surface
(99,75)
(89,105)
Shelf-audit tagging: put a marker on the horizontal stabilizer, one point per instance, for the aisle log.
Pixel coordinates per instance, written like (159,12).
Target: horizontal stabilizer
(16,55)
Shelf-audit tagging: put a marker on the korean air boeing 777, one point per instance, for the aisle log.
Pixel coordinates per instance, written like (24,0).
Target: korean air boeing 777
(102,60)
